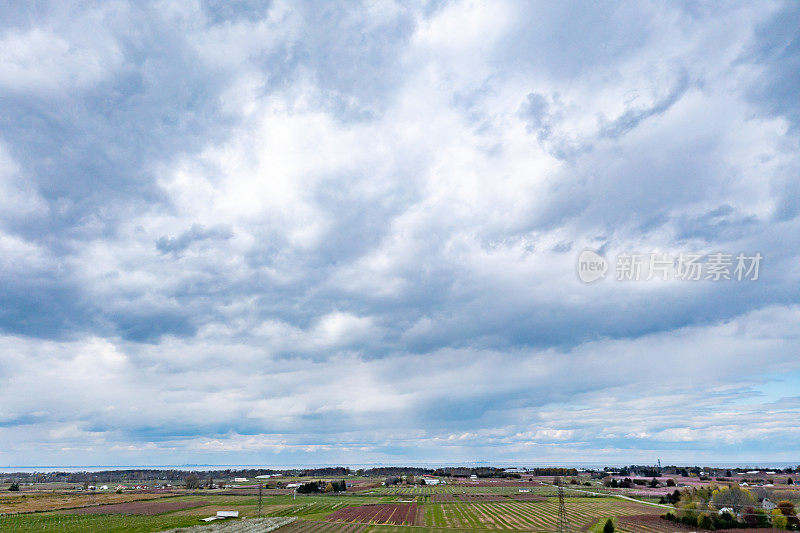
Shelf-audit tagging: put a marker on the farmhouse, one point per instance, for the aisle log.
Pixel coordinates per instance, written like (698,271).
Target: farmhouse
(240,480)
(767,505)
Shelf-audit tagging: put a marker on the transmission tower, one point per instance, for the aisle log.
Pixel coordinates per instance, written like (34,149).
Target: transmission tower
(563,521)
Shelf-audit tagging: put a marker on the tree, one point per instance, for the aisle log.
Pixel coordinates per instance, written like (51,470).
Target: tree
(308,488)
(789,481)
(329,487)
(704,521)
(787,509)
(778,520)
(191,481)
(654,483)
(609,526)
(14,487)
(734,497)
(756,517)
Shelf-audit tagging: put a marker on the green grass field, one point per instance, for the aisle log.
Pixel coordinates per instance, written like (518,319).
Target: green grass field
(60,523)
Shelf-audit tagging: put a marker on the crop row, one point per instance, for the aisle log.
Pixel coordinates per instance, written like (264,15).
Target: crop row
(64,523)
(308,526)
(526,515)
(306,509)
(380,514)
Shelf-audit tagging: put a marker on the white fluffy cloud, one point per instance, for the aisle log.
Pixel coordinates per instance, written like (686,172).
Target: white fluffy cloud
(321,233)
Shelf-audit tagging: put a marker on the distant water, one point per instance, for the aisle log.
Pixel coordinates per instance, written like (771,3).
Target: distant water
(499,464)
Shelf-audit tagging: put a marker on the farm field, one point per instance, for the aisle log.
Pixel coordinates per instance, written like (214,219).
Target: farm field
(332,514)
(535,516)
(482,506)
(465,489)
(654,524)
(144,507)
(398,514)
(108,523)
(23,502)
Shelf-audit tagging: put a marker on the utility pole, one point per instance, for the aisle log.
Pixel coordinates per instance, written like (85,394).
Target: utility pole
(563,521)
(259,500)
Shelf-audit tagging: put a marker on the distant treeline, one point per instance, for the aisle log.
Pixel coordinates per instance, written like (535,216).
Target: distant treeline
(141,475)
(554,471)
(130,476)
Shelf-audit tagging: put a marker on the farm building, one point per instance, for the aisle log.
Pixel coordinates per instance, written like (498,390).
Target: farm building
(221,515)
(240,479)
(767,505)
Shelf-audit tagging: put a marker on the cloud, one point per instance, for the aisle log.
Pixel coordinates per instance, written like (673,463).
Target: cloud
(348,233)
(196,233)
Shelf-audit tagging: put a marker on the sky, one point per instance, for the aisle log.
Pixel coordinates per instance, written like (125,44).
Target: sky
(347,232)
